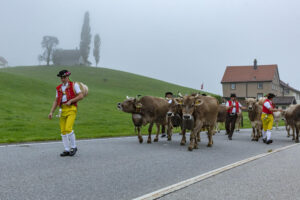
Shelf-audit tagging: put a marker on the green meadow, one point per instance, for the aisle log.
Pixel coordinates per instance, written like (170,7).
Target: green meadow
(27,94)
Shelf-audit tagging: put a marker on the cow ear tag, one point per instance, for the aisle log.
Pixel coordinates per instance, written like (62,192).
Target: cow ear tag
(197,103)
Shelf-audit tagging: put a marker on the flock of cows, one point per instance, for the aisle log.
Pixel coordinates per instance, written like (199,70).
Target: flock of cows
(197,112)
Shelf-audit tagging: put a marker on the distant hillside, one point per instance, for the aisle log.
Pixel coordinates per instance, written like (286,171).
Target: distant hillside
(27,94)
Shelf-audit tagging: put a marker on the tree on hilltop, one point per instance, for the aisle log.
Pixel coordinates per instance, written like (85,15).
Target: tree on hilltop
(85,38)
(48,43)
(96,52)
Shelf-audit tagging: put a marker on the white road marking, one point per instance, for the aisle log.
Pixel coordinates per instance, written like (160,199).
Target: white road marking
(164,191)
(59,142)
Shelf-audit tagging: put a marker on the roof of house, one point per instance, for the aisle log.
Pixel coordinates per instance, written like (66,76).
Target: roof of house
(249,74)
(287,86)
(284,100)
(2,60)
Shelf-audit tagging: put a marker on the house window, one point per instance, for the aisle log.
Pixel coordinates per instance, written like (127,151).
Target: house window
(259,95)
(233,86)
(286,91)
(260,85)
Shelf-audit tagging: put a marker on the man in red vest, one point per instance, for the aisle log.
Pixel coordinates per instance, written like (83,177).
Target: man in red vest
(67,95)
(267,118)
(233,107)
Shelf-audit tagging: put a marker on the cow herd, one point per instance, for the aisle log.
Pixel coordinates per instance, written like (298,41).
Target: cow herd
(197,113)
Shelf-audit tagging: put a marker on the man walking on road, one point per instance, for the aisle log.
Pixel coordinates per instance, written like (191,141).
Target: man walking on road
(67,95)
(267,118)
(233,107)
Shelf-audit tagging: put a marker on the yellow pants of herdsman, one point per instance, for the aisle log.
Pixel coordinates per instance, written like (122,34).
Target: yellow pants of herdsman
(267,121)
(67,118)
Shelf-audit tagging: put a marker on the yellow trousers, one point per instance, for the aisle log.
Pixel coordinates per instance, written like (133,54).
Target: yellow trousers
(267,121)
(67,118)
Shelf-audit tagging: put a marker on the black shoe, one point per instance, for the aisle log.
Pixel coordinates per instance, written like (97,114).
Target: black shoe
(269,141)
(73,151)
(163,135)
(265,140)
(230,137)
(65,153)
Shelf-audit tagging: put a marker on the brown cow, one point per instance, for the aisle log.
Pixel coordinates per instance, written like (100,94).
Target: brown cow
(202,111)
(174,115)
(239,120)
(222,112)
(295,120)
(289,123)
(146,110)
(254,114)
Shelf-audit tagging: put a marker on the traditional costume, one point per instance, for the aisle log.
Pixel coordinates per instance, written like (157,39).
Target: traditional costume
(64,93)
(267,120)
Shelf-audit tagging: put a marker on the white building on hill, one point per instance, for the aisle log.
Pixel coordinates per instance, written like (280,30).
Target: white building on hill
(3,62)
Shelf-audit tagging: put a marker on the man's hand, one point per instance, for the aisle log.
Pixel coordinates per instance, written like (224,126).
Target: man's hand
(50,115)
(69,103)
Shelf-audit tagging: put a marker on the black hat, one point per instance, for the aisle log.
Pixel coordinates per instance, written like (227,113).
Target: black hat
(271,95)
(232,95)
(63,73)
(170,93)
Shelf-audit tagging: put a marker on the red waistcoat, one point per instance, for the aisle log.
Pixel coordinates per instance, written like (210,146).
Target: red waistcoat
(70,92)
(237,107)
(265,109)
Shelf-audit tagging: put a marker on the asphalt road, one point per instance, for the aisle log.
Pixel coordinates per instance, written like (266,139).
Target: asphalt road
(273,177)
(119,168)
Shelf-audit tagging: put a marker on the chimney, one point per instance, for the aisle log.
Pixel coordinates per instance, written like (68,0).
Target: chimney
(255,64)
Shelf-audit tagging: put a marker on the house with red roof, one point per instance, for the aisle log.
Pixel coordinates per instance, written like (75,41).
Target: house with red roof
(256,80)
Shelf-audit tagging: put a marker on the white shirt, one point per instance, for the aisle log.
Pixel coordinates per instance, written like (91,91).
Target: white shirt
(233,103)
(63,89)
(267,105)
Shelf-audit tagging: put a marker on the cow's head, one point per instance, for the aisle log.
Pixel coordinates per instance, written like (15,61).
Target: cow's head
(251,103)
(130,105)
(188,105)
(174,107)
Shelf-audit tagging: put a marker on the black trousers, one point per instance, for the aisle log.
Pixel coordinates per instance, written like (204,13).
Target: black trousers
(230,124)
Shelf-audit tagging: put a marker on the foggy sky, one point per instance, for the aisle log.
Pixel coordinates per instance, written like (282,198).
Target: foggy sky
(186,42)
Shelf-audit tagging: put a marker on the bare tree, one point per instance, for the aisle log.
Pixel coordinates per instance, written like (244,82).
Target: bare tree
(85,38)
(96,52)
(49,43)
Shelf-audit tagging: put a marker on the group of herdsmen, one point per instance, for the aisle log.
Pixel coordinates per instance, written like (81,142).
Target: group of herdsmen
(268,107)
(233,107)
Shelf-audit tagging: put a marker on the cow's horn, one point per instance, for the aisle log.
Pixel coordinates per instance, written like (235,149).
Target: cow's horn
(138,96)
(197,95)
(179,94)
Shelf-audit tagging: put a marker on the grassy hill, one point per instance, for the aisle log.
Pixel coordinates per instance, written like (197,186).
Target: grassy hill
(27,94)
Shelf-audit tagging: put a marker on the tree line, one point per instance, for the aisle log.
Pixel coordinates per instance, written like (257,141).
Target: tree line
(49,44)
